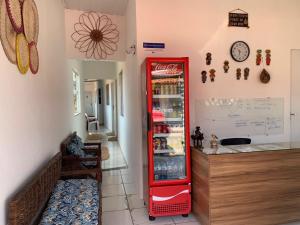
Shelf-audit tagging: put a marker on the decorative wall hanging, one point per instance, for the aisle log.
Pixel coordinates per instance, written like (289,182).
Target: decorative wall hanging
(33,58)
(208,58)
(246,73)
(14,11)
(240,51)
(204,76)
(265,76)
(95,35)
(7,34)
(19,29)
(238,18)
(238,73)
(226,66)
(268,57)
(212,75)
(22,53)
(30,21)
(258,57)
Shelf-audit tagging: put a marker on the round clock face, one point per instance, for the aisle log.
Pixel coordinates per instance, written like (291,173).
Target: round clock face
(240,51)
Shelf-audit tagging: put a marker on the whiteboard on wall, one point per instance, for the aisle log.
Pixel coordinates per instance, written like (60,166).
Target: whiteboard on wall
(236,117)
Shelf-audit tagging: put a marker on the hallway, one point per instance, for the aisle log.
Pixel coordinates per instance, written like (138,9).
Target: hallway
(116,159)
(122,206)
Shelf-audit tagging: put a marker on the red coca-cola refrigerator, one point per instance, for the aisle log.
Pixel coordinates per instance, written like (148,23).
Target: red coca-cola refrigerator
(167,169)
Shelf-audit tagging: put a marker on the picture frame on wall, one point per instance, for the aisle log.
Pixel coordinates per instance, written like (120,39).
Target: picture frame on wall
(76,93)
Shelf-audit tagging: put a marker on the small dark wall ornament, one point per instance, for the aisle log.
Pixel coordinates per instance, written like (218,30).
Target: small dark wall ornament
(197,137)
(265,76)
(258,57)
(204,76)
(238,18)
(208,58)
(226,66)
(268,57)
(246,73)
(212,75)
(238,73)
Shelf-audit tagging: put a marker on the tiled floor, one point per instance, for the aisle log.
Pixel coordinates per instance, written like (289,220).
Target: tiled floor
(122,206)
(116,159)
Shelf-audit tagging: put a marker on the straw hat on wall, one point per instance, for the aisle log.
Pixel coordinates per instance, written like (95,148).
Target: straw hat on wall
(7,34)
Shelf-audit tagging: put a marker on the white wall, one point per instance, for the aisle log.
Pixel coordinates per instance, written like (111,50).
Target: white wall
(129,125)
(79,121)
(72,17)
(36,110)
(192,28)
(99,70)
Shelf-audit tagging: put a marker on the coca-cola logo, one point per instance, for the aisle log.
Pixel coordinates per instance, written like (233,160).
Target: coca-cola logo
(168,68)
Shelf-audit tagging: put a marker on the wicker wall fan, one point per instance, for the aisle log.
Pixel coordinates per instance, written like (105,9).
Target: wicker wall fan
(95,35)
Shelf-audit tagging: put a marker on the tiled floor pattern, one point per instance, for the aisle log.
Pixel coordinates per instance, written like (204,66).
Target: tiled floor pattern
(116,159)
(122,206)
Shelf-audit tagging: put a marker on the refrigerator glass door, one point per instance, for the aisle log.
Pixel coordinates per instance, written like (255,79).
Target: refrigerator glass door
(168,124)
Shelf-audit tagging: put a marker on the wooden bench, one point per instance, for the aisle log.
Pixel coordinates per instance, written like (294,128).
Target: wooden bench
(27,206)
(73,165)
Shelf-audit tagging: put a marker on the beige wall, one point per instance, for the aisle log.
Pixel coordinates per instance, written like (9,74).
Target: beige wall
(36,110)
(194,27)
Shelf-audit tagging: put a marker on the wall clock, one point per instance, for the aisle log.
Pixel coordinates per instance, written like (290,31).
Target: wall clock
(240,51)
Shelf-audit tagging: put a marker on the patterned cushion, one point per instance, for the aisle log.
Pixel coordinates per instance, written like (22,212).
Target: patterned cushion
(77,140)
(74,149)
(74,201)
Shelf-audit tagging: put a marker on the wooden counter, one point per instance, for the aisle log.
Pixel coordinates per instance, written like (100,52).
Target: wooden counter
(257,188)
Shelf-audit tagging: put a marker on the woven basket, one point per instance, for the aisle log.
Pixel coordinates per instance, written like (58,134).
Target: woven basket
(30,21)
(22,51)
(14,12)
(7,34)
(33,58)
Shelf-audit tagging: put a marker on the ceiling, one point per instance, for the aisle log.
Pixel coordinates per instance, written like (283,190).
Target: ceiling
(113,7)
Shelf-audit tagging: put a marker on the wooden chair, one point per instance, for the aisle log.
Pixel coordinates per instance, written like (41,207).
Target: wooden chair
(73,165)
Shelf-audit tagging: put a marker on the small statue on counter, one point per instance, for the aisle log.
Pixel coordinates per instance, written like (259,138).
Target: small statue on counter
(214,141)
(198,138)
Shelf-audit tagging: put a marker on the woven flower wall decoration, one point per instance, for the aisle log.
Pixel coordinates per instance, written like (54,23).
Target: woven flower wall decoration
(95,35)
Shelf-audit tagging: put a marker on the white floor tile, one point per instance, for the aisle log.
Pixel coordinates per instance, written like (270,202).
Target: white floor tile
(181,219)
(128,179)
(109,180)
(112,190)
(117,218)
(116,203)
(135,202)
(111,173)
(130,189)
(124,171)
(140,217)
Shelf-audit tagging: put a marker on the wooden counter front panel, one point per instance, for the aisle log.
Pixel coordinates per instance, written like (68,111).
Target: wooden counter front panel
(253,188)
(200,187)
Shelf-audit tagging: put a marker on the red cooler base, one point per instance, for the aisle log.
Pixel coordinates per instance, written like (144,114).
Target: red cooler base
(170,200)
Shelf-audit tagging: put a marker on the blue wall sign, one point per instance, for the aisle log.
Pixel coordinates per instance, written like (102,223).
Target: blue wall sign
(154,45)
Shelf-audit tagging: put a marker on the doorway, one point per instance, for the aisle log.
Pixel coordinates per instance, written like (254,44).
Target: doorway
(295,96)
